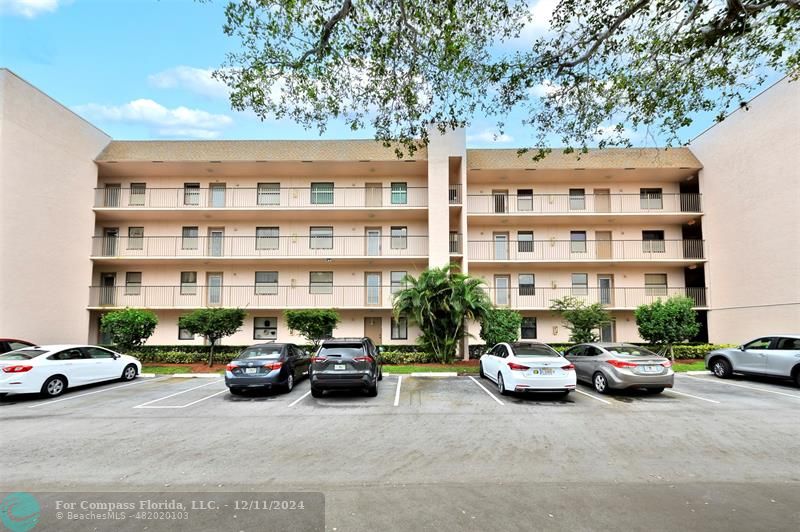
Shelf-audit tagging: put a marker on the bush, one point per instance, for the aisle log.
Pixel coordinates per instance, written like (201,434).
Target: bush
(500,325)
(407,357)
(213,323)
(580,319)
(129,327)
(667,322)
(313,324)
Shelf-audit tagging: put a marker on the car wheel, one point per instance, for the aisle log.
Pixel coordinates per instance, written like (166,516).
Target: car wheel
(380,374)
(480,371)
(129,373)
(316,392)
(600,383)
(501,386)
(797,378)
(289,382)
(54,386)
(655,390)
(236,391)
(372,391)
(721,368)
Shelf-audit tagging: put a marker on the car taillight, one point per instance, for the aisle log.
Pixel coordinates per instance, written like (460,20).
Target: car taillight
(621,363)
(568,367)
(667,364)
(319,359)
(230,367)
(274,365)
(366,358)
(17,369)
(517,367)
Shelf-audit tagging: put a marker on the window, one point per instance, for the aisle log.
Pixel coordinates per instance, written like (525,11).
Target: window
(322,193)
(97,352)
(138,191)
(183,334)
(320,238)
(651,198)
(135,237)
(399,193)
(525,199)
(266,283)
(577,199)
(133,283)
(188,283)
(761,343)
(653,241)
(655,284)
(320,283)
(399,237)
(396,281)
(527,284)
(400,328)
(791,344)
(577,241)
(528,329)
(268,194)
(189,237)
(267,237)
(525,241)
(580,284)
(265,328)
(191,193)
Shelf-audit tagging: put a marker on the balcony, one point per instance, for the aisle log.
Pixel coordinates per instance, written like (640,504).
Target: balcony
(281,202)
(279,248)
(587,251)
(535,298)
(267,296)
(566,207)
(454,195)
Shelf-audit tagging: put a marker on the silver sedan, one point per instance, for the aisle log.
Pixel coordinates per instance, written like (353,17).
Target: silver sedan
(608,366)
(777,356)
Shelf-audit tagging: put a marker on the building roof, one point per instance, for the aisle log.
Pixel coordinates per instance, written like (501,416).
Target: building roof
(640,158)
(250,150)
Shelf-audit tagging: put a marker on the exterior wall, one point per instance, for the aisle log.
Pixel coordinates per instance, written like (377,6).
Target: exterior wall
(751,188)
(440,150)
(47,175)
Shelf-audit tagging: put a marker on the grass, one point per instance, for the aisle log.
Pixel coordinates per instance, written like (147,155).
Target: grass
(697,365)
(166,370)
(438,368)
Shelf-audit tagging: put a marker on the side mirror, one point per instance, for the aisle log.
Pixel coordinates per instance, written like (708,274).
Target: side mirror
(741,348)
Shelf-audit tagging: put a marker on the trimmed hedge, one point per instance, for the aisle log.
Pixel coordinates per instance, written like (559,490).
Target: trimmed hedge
(681,351)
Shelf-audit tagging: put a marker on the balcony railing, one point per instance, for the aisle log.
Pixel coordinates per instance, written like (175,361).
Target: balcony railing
(529,297)
(261,198)
(585,250)
(456,244)
(454,195)
(260,246)
(587,203)
(265,296)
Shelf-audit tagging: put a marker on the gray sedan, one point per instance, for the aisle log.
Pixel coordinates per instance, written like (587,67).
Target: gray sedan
(777,356)
(608,366)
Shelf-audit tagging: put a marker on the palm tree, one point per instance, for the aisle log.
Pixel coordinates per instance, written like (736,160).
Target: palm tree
(438,302)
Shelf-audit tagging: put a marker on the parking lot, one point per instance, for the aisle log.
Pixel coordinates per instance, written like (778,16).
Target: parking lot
(432,452)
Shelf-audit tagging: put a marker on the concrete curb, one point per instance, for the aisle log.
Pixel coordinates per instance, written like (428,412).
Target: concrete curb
(183,375)
(434,374)
(703,372)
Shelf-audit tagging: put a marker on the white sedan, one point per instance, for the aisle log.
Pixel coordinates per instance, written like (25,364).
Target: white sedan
(51,369)
(528,367)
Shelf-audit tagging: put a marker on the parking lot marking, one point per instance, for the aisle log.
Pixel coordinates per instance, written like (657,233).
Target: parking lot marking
(94,392)
(144,405)
(485,390)
(300,398)
(397,391)
(592,396)
(693,396)
(204,398)
(743,386)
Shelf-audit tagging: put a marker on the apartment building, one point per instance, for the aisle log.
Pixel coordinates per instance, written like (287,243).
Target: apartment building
(98,224)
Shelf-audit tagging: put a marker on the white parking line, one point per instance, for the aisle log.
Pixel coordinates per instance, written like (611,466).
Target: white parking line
(95,392)
(592,396)
(693,396)
(144,405)
(487,391)
(717,381)
(300,398)
(397,390)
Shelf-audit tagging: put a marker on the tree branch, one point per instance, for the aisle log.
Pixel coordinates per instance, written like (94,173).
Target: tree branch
(325,36)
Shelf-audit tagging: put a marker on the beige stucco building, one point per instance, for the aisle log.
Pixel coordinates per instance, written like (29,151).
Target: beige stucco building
(91,224)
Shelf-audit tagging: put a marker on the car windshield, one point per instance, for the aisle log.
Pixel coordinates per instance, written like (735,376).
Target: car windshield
(342,349)
(534,350)
(630,350)
(263,351)
(22,354)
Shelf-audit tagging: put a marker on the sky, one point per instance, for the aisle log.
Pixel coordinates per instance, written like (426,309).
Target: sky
(141,69)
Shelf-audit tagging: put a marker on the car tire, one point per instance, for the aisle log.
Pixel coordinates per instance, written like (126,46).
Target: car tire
(797,378)
(721,368)
(288,386)
(372,391)
(316,392)
(600,383)
(655,391)
(380,374)
(501,385)
(129,373)
(54,386)
(481,374)
(235,391)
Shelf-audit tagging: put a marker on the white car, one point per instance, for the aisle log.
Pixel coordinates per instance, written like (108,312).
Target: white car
(51,369)
(528,367)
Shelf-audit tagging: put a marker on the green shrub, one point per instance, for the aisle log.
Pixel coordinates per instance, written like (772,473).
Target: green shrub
(213,323)
(668,322)
(406,357)
(500,325)
(313,324)
(130,327)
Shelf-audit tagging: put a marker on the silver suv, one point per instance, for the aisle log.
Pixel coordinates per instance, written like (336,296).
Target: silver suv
(776,356)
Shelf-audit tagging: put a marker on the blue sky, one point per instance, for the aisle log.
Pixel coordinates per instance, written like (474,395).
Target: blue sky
(140,69)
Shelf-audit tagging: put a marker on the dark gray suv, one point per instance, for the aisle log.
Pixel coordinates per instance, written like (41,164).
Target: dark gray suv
(346,363)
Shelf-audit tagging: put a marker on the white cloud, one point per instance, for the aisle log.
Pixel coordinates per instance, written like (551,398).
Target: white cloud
(164,122)
(490,135)
(544,89)
(28,8)
(541,13)
(196,80)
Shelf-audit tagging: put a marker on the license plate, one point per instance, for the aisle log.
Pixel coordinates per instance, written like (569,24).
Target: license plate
(339,366)
(251,370)
(651,369)
(543,371)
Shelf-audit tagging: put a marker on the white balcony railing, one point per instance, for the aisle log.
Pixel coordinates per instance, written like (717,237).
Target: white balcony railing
(651,203)
(535,298)
(585,250)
